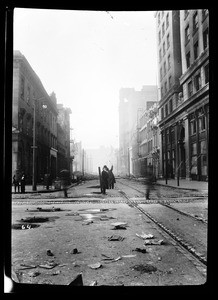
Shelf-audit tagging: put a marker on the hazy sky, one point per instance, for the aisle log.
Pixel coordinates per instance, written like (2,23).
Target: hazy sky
(85,57)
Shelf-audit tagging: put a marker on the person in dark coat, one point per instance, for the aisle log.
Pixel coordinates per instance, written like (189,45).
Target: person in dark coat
(150,182)
(23,183)
(104,178)
(16,183)
(111,178)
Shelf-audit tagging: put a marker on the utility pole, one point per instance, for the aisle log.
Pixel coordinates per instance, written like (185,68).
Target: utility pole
(34,147)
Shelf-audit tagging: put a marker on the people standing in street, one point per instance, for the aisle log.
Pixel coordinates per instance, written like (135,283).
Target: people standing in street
(150,182)
(16,183)
(111,178)
(23,183)
(104,176)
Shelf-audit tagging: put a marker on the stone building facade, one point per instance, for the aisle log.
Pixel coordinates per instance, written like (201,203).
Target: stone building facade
(31,99)
(184,105)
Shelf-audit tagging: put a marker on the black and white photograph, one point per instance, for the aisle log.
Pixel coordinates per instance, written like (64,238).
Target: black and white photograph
(109,148)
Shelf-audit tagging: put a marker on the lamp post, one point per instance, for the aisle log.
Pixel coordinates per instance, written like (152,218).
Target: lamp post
(34,147)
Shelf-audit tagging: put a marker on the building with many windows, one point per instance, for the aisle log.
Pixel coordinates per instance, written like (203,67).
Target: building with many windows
(35,116)
(184,105)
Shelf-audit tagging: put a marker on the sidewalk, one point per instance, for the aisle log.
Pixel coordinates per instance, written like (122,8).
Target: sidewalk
(185,184)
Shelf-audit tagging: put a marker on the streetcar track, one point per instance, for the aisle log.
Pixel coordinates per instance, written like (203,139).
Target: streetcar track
(180,242)
(165,203)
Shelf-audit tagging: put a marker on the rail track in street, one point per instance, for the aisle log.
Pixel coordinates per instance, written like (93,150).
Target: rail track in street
(166,202)
(199,259)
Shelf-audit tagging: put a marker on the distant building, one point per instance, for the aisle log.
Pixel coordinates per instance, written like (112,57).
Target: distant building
(28,92)
(132,104)
(63,137)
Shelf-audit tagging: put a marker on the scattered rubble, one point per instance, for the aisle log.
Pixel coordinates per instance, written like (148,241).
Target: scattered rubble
(95,266)
(142,250)
(149,242)
(147,268)
(119,225)
(115,238)
(145,236)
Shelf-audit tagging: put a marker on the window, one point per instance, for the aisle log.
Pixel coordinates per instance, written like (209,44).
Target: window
(168,41)
(193,126)
(201,120)
(195,21)
(161,91)
(22,87)
(170,82)
(159,19)
(167,20)
(165,68)
(197,81)
(166,110)
(164,51)
(160,55)
(186,13)
(187,34)
(188,59)
(193,149)
(28,95)
(190,89)
(165,86)
(196,50)
(206,73)
(159,37)
(162,113)
(163,29)
(162,14)
(206,38)
(170,105)
(161,75)
(169,62)
(204,13)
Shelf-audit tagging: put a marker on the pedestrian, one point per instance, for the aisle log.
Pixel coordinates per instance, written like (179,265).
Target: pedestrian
(150,182)
(23,183)
(104,176)
(16,183)
(111,178)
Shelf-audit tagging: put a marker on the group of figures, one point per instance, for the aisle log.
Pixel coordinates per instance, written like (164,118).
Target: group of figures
(19,183)
(107,179)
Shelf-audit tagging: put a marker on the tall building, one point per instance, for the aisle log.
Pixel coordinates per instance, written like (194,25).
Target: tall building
(194,106)
(131,104)
(63,137)
(31,99)
(184,82)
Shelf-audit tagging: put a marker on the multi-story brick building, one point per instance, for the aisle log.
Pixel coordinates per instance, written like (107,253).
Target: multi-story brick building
(34,111)
(184,83)
(28,92)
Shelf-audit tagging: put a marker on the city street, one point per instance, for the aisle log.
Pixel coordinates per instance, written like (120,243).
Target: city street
(115,239)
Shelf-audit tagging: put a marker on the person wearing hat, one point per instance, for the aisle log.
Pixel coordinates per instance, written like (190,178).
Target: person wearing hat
(104,176)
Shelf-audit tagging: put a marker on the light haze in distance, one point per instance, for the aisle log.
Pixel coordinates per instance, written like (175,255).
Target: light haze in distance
(85,57)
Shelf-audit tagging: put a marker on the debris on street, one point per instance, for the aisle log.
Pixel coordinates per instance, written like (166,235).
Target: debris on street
(119,225)
(129,255)
(49,265)
(159,242)
(34,274)
(142,250)
(94,283)
(147,268)
(49,253)
(27,266)
(87,222)
(115,238)
(95,266)
(145,236)
(109,260)
(74,251)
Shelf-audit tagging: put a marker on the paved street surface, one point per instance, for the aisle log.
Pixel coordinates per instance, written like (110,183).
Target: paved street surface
(108,256)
